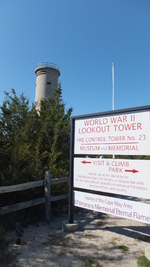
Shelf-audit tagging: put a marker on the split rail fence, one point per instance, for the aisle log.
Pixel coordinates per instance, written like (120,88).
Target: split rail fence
(47,199)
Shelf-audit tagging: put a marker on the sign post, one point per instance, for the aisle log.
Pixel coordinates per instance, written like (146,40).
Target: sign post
(120,132)
(71,200)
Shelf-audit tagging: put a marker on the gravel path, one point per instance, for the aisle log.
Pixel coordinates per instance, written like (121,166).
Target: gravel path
(101,240)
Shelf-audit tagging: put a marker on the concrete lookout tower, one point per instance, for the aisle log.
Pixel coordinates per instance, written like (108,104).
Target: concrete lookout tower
(46,80)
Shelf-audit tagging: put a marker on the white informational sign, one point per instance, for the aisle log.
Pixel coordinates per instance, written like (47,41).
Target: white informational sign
(117,176)
(125,134)
(137,211)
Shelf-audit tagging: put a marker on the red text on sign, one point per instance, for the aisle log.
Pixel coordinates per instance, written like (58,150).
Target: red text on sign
(126,127)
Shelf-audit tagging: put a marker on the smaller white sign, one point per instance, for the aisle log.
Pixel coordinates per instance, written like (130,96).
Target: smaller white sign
(117,176)
(133,210)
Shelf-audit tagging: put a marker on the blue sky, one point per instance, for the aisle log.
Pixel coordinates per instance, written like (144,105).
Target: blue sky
(83,37)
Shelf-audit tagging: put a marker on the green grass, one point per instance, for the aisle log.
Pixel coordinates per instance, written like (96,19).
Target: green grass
(123,247)
(143,262)
(89,262)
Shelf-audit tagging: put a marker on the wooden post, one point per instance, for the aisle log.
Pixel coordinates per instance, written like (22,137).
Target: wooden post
(47,195)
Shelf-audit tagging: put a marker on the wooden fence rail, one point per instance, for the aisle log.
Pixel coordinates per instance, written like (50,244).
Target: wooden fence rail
(47,182)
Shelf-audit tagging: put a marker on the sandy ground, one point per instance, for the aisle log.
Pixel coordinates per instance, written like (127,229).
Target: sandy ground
(98,242)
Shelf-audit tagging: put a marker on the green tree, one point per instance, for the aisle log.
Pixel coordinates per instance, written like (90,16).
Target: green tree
(54,135)
(33,142)
(14,149)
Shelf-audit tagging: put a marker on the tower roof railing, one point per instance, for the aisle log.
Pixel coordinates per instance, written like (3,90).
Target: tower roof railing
(47,64)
